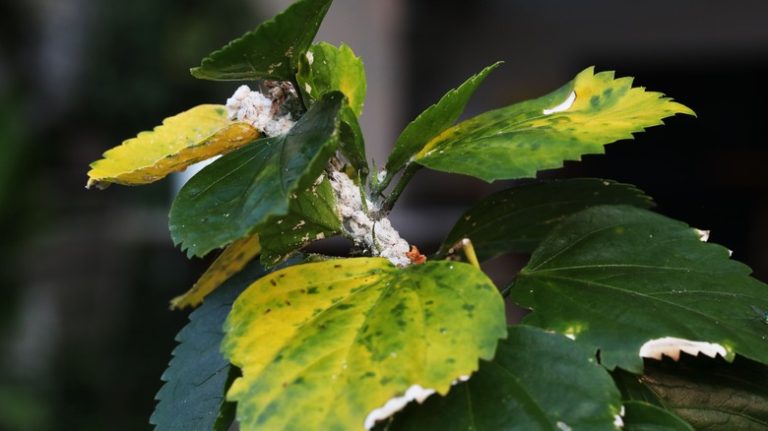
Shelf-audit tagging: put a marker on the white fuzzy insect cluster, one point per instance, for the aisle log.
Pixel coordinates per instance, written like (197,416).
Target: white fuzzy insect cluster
(256,109)
(378,236)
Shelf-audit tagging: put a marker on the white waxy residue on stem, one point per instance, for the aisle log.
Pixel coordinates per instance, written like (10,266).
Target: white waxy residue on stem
(376,236)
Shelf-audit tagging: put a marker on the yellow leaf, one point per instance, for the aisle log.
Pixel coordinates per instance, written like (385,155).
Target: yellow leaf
(229,262)
(192,136)
(334,345)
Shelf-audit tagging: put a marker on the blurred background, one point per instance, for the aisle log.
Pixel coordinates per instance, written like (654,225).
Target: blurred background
(86,276)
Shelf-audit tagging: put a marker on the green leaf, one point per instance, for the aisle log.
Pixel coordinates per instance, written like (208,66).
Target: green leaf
(240,192)
(322,345)
(640,416)
(228,263)
(192,136)
(351,141)
(711,393)
(618,277)
(271,51)
(517,219)
(312,216)
(517,141)
(537,381)
(633,389)
(325,68)
(198,375)
(434,120)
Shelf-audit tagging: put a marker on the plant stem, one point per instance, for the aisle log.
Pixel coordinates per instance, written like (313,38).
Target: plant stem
(389,202)
(469,252)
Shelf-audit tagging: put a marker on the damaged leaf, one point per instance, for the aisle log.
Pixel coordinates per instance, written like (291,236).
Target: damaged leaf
(517,219)
(515,391)
(580,118)
(271,51)
(326,345)
(228,263)
(711,393)
(235,195)
(184,139)
(618,277)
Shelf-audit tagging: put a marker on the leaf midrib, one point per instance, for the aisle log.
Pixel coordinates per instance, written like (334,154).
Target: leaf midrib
(642,295)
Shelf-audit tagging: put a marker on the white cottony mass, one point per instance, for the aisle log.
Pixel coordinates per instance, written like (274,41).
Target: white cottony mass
(256,109)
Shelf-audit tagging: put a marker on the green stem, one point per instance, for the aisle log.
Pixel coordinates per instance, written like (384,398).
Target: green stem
(389,202)
(508,289)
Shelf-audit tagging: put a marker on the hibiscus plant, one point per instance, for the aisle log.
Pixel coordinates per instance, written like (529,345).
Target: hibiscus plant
(635,321)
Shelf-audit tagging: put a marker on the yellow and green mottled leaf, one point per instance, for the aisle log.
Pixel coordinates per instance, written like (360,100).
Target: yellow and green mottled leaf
(325,68)
(322,345)
(228,263)
(194,135)
(593,110)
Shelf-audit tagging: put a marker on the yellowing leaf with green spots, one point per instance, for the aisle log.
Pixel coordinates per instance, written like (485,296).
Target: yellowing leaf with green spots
(192,136)
(228,263)
(324,346)
(593,110)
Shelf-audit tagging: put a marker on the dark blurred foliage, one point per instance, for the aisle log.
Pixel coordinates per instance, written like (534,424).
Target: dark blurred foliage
(86,276)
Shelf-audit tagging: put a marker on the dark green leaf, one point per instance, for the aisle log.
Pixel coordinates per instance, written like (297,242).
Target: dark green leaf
(537,381)
(196,379)
(580,118)
(640,416)
(312,216)
(351,141)
(619,277)
(243,190)
(271,51)
(517,219)
(633,389)
(434,120)
(711,393)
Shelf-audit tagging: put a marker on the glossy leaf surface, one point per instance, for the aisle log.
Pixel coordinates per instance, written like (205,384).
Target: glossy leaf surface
(198,376)
(192,136)
(537,381)
(325,68)
(616,277)
(641,416)
(270,51)
(228,263)
(517,141)
(312,216)
(434,120)
(243,190)
(322,345)
(518,219)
